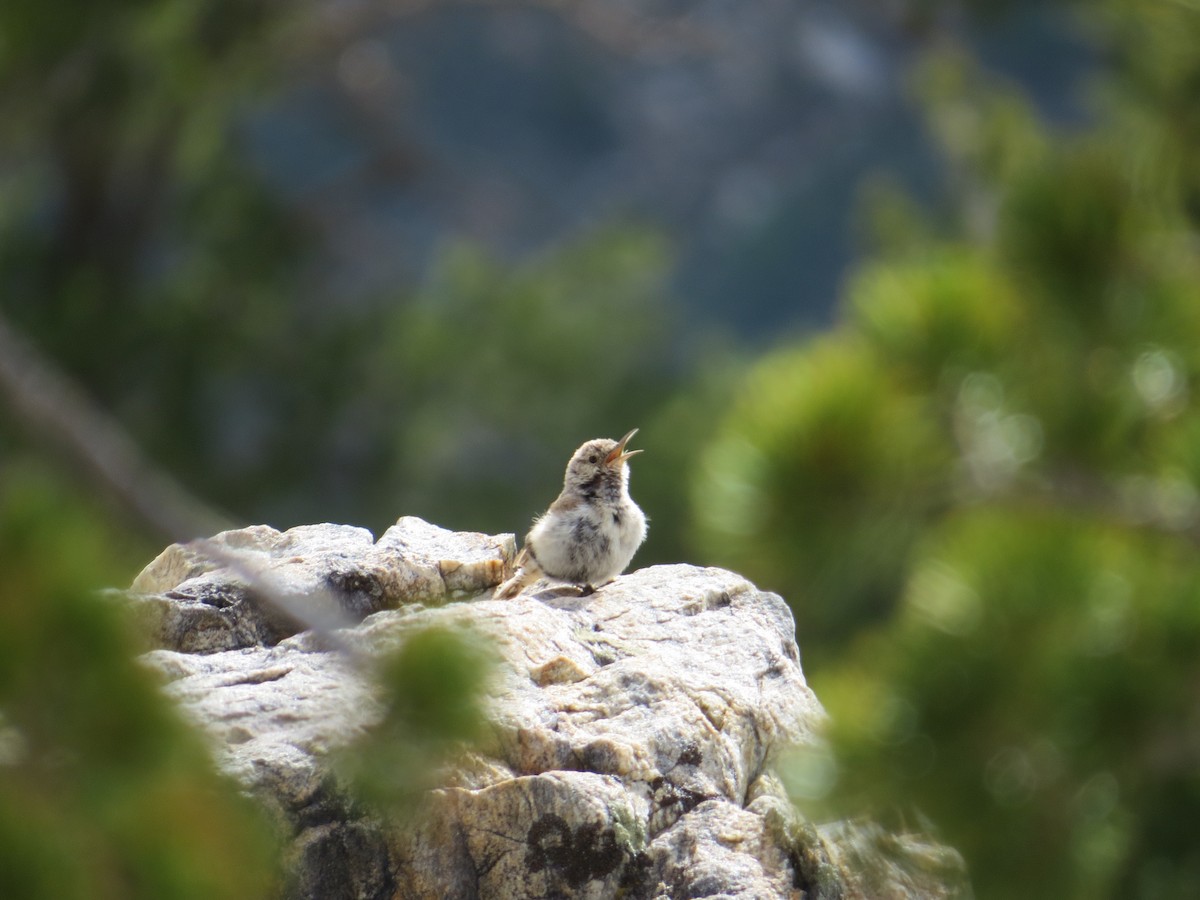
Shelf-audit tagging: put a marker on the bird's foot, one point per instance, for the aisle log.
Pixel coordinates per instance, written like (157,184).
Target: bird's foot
(586,590)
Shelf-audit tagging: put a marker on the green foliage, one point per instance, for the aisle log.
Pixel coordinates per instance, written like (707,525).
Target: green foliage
(980,492)
(104,791)
(432,690)
(1154,47)
(816,430)
(136,239)
(133,240)
(1029,695)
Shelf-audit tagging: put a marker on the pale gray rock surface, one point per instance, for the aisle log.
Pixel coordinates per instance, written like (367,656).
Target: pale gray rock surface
(635,728)
(195,604)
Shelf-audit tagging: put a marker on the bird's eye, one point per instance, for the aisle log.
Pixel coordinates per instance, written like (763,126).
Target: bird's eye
(593,458)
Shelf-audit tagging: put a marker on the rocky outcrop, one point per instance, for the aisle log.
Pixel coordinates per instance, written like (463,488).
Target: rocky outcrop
(194,604)
(634,728)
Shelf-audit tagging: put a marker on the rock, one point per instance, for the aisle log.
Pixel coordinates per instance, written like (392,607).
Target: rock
(635,727)
(195,604)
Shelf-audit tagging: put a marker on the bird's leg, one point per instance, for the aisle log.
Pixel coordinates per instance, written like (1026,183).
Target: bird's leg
(586,589)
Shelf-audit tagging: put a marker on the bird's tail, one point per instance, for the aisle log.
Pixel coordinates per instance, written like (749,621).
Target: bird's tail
(527,572)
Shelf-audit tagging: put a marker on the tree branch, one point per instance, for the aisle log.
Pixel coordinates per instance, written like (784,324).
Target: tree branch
(55,411)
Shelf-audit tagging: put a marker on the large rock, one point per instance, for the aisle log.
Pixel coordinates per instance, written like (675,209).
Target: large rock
(635,727)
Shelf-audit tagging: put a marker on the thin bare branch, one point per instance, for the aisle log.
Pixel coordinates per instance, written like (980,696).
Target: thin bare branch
(56,412)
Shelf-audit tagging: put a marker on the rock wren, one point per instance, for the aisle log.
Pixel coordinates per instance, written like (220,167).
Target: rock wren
(590,533)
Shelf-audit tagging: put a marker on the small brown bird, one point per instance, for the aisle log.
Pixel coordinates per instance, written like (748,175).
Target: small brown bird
(590,533)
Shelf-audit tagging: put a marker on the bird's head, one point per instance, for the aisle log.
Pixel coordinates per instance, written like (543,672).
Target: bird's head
(597,461)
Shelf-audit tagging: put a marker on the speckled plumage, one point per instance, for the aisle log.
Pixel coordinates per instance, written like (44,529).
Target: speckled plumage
(590,533)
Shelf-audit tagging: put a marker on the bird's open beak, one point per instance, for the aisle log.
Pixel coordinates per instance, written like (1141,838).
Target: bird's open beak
(619,454)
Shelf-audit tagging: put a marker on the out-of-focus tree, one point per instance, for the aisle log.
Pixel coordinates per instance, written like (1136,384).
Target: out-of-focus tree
(109,112)
(104,791)
(135,247)
(980,492)
(142,251)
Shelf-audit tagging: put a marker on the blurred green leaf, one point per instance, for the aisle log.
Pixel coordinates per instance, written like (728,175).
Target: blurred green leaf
(821,429)
(104,791)
(432,691)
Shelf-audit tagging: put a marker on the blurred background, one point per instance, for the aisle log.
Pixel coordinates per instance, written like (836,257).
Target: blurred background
(904,298)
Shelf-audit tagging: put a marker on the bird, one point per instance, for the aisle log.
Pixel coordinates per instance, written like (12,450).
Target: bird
(589,534)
